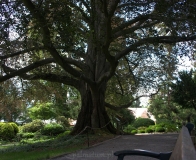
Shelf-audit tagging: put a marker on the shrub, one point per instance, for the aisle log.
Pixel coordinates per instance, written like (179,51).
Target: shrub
(1,124)
(129,128)
(145,122)
(134,131)
(141,130)
(169,127)
(15,126)
(63,121)
(6,131)
(34,126)
(27,135)
(52,129)
(149,130)
(160,129)
(152,127)
(63,134)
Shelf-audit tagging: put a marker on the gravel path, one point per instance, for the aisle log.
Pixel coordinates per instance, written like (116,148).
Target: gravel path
(105,150)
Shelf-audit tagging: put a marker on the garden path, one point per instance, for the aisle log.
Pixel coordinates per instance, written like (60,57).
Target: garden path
(105,150)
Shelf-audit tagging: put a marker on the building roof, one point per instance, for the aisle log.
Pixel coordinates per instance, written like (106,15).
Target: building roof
(141,112)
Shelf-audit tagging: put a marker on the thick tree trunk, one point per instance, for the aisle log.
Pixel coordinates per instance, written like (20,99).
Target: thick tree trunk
(92,113)
(100,68)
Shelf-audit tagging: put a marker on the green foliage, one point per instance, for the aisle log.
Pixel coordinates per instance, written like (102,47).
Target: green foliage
(63,121)
(1,124)
(152,127)
(124,115)
(160,129)
(141,129)
(42,111)
(129,129)
(69,31)
(26,135)
(34,126)
(52,129)
(11,101)
(63,134)
(149,130)
(161,107)
(169,127)
(134,131)
(183,90)
(143,122)
(15,126)
(6,131)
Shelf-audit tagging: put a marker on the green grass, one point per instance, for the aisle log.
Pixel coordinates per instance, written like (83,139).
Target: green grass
(38,154)
(45,149)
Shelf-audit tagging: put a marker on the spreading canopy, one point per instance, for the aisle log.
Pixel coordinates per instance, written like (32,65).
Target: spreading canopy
(82,43)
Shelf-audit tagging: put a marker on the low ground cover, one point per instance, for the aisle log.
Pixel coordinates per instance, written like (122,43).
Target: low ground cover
(47,147)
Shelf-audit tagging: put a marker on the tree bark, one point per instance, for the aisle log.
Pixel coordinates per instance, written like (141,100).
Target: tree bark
(92,114)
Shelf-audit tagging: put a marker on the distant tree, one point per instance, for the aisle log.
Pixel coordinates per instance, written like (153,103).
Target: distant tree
(65,99)
(42,111)
(161,109)
(183,90)
(11,101)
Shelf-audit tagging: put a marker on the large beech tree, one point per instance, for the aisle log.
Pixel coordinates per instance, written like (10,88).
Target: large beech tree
(81,43)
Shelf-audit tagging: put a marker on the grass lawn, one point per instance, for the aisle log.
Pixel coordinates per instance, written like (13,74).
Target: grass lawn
(37,154)
(49,149)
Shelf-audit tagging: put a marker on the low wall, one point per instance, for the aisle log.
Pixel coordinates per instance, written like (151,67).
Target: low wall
(184,148)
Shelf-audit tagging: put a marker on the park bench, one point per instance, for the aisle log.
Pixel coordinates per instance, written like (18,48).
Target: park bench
(183,150)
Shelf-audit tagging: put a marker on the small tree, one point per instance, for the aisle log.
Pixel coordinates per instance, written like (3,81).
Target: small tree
(42,111)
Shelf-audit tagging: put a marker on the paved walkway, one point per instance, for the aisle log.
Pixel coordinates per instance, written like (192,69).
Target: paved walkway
(105,150)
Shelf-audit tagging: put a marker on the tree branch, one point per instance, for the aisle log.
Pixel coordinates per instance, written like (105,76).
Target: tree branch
(132,29)
(53,78)
(50,47)
(19,52)
(154,40)
(12,72)
(117,108)
(112,7)
(134,21)
(86,18)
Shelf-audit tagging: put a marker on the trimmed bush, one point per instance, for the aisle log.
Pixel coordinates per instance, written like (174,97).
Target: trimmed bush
(63,134)
(27,135)
(143,122)
(63,121)
(52,129)
(152,127)
(134,131)
(171,127)
(129,128)
(141,130)
(149,130)
(15,126)
(34,126)
(160,129)
(168,126)
(6,131)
